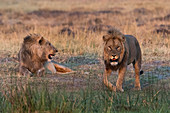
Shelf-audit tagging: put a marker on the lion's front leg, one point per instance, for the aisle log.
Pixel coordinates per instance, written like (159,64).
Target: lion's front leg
(120,79)
(50,67)
(109,85)
(24,71)
(41,72)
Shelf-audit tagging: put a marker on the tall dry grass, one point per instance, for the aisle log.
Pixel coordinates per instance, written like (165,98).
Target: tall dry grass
(154,46)
(35,94)
(81,44)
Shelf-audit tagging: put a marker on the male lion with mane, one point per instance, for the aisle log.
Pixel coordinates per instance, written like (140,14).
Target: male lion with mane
(35,51)
(119,51)
(36,55)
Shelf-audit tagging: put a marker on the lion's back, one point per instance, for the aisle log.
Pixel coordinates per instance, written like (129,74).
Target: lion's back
(134,48)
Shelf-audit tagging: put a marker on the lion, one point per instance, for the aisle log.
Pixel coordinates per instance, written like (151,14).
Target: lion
(35,56)
(119,51)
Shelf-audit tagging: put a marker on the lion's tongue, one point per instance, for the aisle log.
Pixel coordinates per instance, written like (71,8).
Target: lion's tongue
(113,59)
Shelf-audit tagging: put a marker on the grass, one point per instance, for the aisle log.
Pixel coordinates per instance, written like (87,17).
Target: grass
(21,94)
(83,43)
(30,98)
(83,91)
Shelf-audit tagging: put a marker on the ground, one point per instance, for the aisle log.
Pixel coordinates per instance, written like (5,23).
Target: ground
(76,29)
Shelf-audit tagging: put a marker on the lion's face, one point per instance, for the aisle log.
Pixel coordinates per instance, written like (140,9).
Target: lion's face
(40,47)
(113,50)
(47,49)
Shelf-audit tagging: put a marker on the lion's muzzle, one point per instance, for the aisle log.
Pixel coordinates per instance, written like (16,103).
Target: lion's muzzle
(50,56)
(53,54)
(114,60)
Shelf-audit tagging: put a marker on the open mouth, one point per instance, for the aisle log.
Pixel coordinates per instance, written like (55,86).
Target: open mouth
(114,62)
(50,56)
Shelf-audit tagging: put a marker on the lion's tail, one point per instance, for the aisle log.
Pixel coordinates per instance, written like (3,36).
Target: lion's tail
(141,72)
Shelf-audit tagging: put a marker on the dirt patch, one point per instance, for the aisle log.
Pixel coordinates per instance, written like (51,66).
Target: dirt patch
(115,12)
(140,21)
(141,11)
(81,60)
(165,18)
(56,13)
(47,13)
(89,71)
(162,29)
(95,21)
(67,31)
(99,28)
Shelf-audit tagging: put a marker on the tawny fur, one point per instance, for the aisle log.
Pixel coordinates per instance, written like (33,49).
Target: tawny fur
(33,54)
(124,49)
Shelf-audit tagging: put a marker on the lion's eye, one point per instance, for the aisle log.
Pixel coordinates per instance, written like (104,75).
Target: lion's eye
(49,44)
(109,48)
(118,48)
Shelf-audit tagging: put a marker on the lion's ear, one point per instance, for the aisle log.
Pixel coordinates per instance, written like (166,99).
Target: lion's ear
(41,41)
(105,37)
(123,38)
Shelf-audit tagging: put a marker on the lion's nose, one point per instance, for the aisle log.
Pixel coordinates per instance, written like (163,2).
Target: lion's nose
(114,55)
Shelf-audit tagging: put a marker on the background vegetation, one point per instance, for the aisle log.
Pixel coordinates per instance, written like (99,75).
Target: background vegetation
(76,28)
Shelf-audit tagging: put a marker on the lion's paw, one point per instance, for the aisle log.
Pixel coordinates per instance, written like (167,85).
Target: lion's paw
(137,88)
(120,89)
